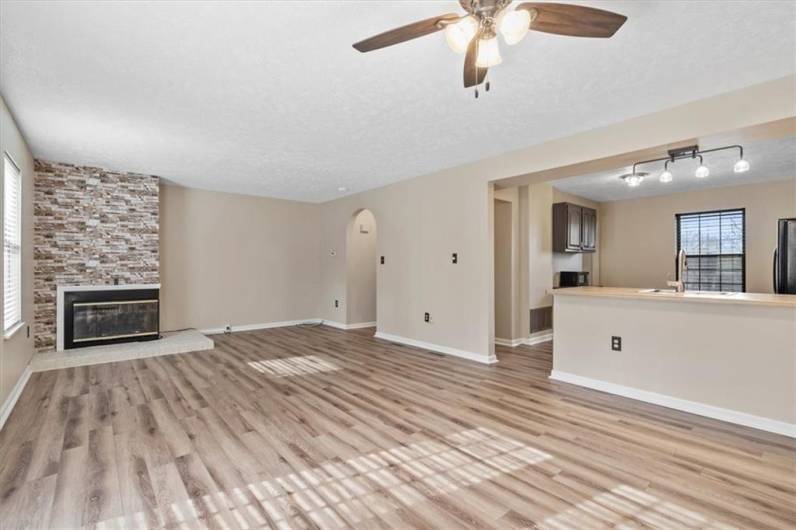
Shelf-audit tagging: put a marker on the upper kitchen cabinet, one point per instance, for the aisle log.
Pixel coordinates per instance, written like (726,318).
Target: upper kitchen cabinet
(574,228)
(588,229)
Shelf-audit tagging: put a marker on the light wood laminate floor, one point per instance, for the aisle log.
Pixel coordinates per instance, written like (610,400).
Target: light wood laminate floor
(316,427)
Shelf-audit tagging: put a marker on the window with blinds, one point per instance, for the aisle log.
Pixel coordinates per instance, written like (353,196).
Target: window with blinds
(12,244)
(715,247)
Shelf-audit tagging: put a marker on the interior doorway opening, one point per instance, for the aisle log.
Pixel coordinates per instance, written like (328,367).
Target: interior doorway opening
(361,270)
(507,264)
(503,285)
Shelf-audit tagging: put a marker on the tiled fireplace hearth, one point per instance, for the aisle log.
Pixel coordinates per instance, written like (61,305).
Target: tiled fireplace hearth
(97,315)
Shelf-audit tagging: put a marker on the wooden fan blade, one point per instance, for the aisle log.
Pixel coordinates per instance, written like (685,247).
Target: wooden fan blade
(405,33)
(572,20)
(473,75)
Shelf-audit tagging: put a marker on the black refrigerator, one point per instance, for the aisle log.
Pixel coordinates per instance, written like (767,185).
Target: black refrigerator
(785,257)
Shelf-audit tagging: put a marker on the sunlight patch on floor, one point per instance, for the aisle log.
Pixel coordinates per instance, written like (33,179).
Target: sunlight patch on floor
(339,493)
(628,507)
(292,366)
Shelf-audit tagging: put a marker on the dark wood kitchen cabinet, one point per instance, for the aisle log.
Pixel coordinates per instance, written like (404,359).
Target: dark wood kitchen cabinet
(588,229)
(574,228)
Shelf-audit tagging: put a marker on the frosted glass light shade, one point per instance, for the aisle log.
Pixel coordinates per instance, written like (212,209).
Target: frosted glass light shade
(702,172)
(741,166)
(513,25)
(459,35)
(488,53)
(666,176)
(633,180)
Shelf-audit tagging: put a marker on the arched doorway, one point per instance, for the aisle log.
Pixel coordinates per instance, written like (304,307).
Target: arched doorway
(361,269)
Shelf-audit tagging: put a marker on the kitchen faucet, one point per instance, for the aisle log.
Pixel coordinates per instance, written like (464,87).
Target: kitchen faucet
(681,266)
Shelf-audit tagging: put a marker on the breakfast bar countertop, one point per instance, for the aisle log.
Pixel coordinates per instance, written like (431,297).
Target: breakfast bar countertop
(765,299)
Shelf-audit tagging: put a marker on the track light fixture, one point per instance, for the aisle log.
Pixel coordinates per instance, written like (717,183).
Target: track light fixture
(702,171)
(666,175)
(635,178)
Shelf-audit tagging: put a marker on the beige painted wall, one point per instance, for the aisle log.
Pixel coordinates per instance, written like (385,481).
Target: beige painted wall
(360,301)
(504,297)
(540,246)
(235,259)
(16,351)
(421,222)
(709,353)
(638,236)
(585,261)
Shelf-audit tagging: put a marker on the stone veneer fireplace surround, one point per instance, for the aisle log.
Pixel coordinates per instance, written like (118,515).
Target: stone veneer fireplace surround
(105,294)
(93,227)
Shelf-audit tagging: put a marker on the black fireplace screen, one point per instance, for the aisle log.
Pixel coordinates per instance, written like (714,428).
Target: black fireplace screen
(114,320)
(105,317)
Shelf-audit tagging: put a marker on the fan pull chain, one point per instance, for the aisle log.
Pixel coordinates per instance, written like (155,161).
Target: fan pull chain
(487,86)
(477,45)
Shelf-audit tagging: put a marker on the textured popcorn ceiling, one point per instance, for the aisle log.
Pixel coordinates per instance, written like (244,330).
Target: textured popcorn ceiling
(269,98)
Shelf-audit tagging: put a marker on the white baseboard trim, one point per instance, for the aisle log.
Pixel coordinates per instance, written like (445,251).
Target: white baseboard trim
(11,400)
(340,325)
(471,356)
(287,323)
(361,325)
(538,338)
(694,407)
(511,343)
(265,325)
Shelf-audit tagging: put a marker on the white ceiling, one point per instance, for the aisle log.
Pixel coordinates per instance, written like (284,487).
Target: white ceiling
(270,99)
(770,160)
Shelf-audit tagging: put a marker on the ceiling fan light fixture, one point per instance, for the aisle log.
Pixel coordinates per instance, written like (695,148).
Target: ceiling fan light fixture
(459,35)
(488,53)
(474,33)
(514,25)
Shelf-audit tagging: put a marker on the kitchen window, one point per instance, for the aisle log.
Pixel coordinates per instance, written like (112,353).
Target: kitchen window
(715,247)
(12,245)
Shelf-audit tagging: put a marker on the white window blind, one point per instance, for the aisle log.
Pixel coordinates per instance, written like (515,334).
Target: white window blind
(715,247)
(12,244)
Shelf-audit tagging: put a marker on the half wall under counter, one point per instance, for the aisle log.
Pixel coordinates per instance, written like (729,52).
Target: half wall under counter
(726,356)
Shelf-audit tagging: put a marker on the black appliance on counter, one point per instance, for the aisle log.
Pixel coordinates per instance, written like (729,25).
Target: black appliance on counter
(578,278)
(785,257)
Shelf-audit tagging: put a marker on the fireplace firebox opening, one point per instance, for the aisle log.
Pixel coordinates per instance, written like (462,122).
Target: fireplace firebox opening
(110,316)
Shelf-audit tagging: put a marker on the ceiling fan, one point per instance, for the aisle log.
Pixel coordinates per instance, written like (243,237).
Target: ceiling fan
(475,33)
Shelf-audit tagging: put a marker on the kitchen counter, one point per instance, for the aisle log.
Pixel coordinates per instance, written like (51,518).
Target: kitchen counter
(727,356)
(774,300)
